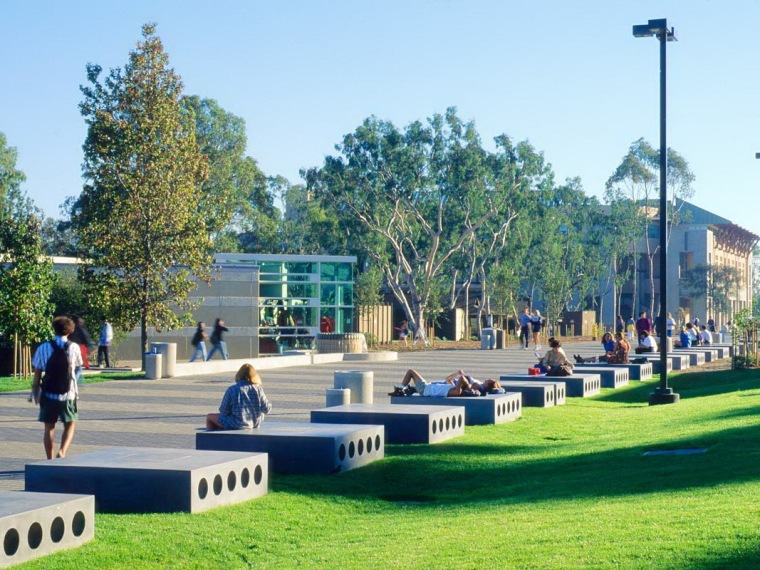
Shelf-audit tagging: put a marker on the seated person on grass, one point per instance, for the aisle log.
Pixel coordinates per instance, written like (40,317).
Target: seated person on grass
(455,385)
(647,343)
(244,403)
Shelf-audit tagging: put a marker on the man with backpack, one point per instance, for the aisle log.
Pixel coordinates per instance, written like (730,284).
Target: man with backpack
(55,366)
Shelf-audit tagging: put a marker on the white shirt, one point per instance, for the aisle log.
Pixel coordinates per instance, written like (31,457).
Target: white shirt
(649,342)
(706,337)
(43,354)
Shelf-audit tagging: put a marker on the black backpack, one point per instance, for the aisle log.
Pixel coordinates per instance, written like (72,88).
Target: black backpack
(56,379)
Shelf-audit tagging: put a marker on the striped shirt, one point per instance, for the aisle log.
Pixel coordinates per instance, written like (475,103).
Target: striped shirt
(43,354)
(243,406)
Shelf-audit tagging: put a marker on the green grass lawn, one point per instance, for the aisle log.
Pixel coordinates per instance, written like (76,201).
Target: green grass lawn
(565,487)
(11,384)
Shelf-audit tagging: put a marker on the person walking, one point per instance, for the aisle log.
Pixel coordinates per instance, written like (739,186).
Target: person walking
(525,328)
(56,365)
(217,342)
(536,322)
(104,344)
(199,342)
(619,324)
(82,337)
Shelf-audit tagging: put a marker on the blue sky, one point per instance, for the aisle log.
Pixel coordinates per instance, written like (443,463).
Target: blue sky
(568,76)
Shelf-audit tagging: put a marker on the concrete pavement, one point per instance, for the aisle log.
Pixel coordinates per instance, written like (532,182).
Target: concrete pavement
(168,412)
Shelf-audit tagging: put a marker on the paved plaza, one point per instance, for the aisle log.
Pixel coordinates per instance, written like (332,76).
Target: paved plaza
(168,412)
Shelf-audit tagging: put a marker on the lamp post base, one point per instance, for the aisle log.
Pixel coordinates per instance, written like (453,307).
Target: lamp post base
(663,396)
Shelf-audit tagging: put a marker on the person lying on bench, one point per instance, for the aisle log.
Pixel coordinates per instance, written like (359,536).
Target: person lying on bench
(647,343)
(244,403)
(455,385)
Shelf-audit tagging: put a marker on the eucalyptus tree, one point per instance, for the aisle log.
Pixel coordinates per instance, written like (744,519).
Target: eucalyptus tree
(139,217)
(637,179)
(420,194)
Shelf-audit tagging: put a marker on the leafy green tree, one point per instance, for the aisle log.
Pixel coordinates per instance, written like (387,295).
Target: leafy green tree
(418,196)
(637,179)
(235,197)
(26,276)
(718,284)
(139,217)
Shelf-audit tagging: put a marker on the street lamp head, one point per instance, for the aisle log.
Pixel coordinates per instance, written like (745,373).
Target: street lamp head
(658,28)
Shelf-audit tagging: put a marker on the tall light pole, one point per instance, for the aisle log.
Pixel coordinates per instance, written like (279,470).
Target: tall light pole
(659,29)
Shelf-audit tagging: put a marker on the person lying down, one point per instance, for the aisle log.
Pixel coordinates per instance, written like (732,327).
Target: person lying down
(454,385)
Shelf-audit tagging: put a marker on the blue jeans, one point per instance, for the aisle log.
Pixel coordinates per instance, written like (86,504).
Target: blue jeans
(200,350)
(221,346)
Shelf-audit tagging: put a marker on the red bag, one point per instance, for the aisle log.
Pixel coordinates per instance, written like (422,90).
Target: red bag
(534,371)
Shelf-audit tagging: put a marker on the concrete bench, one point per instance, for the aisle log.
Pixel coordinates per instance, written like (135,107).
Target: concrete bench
(403,423)
(708,353)
(655,362)
(37,524)
(635,371)
(729,349)
(610,376)
(484,410)
(535,394)
(152,480)
(696,357)
(577,385)
(677,361)
(301,447)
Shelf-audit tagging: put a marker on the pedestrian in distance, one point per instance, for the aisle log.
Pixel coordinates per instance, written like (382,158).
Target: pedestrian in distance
(104,344)
(199,342)
(525,328)
(536,322)
(82,337)
(56,365)
(217,340)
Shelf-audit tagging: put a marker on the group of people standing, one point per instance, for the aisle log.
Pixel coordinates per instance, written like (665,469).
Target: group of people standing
(530,325)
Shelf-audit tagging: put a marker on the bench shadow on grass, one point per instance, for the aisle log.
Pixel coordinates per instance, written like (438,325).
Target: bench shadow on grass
(502,475)
(688,385)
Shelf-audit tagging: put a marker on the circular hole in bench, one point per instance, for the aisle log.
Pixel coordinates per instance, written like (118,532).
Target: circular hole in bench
(369,445)
(460,421)
(245,478)
(435,426)
(448,424)
(218,485)
(231,481)
(57,529)
(78,523)
(34,536)
(11,542)
(342,451)
(202,488)
(378,442)
(360,447)
(440,425)
(351,449)
(258,475)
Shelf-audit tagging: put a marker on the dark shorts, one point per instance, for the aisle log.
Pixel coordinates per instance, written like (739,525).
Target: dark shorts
(53,410)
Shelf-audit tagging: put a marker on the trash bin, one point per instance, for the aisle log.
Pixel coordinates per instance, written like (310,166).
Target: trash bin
(487,339)
(169,352)
(153,365)
(501,338)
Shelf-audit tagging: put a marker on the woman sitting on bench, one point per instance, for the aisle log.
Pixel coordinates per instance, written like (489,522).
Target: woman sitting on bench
(620,354)
(608,344)
(244,403)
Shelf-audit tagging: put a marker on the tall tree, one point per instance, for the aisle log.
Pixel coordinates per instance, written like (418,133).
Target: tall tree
(420,195)
(139,216)
(717,284)
(26,276)
(235,197)
(637,179)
